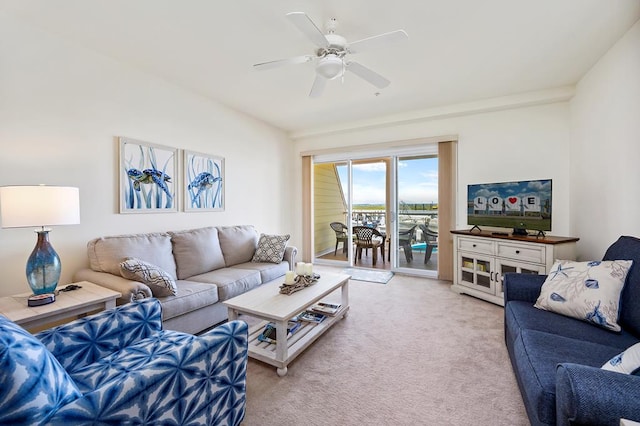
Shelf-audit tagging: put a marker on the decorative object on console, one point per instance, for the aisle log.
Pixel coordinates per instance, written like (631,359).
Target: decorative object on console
(270,248)
(27,206)
(589,291)
(147,177)
(159,281)
(203,182)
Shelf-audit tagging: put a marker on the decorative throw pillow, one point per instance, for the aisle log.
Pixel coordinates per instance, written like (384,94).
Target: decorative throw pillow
(34,384)
(589,291)
(159,281)
(270,248)
(628,362)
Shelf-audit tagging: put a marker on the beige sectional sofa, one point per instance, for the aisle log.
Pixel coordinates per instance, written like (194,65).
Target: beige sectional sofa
(209,265)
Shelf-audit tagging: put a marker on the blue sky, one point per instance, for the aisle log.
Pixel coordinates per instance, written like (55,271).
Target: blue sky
(417,181)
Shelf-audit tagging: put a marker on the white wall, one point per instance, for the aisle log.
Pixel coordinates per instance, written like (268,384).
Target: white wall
(61,107)
(605,149)
(516,144)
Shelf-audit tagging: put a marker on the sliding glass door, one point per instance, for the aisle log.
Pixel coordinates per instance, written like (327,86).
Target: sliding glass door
(417,207)
(396,195)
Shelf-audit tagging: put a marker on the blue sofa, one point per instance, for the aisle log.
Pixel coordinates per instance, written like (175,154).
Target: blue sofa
(120,367)
(557,360)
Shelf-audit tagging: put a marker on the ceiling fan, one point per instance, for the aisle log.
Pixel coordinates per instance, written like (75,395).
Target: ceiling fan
(332,54)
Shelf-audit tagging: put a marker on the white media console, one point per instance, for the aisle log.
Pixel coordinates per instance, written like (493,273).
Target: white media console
(481,258)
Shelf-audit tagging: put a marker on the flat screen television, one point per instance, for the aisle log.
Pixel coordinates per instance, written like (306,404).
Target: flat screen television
(522,205)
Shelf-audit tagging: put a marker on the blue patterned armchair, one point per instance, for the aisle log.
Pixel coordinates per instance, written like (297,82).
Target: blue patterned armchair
(120,367)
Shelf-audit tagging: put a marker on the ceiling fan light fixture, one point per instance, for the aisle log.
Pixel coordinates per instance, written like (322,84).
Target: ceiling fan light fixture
(330,66)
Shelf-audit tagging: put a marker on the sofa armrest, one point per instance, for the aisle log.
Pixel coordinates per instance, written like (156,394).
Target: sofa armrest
(200,380)
(130,290)
(290,254)
(523,287)
(591,396)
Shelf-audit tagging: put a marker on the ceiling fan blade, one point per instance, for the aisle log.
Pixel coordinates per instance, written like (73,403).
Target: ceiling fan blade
(365,73)
(281,62)
(377,41)
(308,28)
(318,86)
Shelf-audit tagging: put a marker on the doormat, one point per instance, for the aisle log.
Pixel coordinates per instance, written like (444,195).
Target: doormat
(381,277)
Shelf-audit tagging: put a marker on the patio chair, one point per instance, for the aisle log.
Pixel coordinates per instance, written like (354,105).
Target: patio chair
(341,236)
(367,238)
(431,240)
(405,238)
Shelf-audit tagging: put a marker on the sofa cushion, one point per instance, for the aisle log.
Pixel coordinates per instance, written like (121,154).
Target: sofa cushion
(270,248)
(190,297)
(589,291)
(159,281)
(268,271)
(196,251)
(522,315)
(238,243)
(627,362)
(33,383)
(230,281)
(535,358)
(628,248)
(106,253)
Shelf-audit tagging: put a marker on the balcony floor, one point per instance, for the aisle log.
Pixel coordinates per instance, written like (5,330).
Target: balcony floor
(367,261)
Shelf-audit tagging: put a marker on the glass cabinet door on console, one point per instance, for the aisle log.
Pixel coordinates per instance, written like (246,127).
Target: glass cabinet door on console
(506,266)
(476,271)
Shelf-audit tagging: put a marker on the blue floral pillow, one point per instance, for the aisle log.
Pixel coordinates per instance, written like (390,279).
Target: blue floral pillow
(628,362)
(33,385)
(589,291)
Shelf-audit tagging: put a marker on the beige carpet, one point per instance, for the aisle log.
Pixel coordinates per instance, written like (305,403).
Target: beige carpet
(410,352)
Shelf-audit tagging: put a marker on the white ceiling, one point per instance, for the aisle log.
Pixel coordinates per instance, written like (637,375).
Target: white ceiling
(458,50)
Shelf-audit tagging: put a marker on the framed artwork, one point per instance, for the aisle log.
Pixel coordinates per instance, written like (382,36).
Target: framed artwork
(203,182)
(147,177)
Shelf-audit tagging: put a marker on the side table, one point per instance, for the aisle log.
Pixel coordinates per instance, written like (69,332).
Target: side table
(68,305)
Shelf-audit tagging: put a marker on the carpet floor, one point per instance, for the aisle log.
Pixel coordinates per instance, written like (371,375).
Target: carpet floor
(411,352)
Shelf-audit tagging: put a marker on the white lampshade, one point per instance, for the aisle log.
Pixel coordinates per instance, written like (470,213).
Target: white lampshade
(24,206)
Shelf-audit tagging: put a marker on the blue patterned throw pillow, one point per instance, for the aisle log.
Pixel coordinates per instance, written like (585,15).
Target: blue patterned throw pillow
(627,362)
(159,281)
(589,291)
(33,384)
(270,248)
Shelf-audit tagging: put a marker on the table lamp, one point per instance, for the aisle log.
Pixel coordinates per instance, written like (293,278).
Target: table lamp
(26,206)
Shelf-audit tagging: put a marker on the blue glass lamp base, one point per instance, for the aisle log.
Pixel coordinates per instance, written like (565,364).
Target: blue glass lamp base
(43,266)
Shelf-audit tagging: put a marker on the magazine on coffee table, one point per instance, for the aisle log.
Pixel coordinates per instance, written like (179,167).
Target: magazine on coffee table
(310,316)
(269,333)
(326,308)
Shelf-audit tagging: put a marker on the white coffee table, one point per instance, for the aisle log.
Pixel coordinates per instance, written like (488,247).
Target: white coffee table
(266,302)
